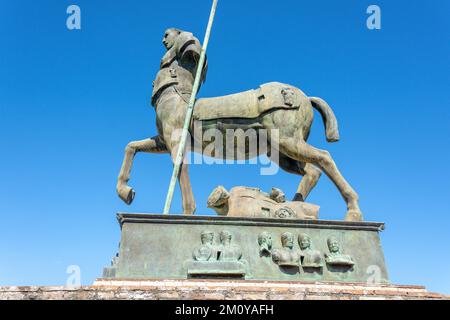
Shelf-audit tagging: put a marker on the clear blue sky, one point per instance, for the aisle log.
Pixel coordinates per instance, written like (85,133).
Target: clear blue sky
(71,100)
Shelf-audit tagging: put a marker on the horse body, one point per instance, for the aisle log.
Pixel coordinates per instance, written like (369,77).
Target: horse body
(246,114)
(280,109)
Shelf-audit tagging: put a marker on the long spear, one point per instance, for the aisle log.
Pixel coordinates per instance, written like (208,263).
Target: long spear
(190,109)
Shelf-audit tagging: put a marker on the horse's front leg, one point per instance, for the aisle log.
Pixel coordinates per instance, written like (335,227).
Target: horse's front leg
(153,145)
(185,186)
(186,191)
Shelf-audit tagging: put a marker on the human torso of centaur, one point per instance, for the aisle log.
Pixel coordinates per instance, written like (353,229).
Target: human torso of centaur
(173,85)
(174,81)
(178,68)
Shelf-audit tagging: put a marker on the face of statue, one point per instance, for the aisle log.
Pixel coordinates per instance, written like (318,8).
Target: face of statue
(169,38)
(288,241)
(207,238)
(283,214)
(333,245)
(225,238)
(266,239)
(305,243)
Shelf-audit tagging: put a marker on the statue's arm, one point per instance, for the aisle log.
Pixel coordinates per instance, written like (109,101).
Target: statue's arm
(188,50)
(188,46)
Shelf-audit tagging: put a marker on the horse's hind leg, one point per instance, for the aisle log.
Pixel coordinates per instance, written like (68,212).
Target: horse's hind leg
(299,149)
(153,145)
(310,173)
(308,182)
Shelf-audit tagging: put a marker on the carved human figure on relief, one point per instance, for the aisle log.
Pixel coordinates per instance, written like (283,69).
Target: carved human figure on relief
(265,244)
(226,250)
(278,195)
(206,251)
(336,257)
(309,258)
(286,256)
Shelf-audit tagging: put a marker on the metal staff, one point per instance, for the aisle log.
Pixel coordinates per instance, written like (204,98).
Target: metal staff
(190,109)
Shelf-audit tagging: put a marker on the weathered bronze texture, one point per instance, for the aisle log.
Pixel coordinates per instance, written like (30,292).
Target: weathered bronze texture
(273,106)
(181,247)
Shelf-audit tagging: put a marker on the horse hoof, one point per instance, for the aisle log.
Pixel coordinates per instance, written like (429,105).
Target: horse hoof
(353,215)
(126,194)
(298,197)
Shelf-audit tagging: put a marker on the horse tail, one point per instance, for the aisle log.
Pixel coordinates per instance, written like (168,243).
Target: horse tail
(328,117)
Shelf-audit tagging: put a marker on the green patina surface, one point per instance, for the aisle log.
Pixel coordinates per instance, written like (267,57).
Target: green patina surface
(170,247)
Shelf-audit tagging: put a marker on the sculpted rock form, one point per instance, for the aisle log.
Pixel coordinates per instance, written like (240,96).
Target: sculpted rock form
(274,106)
(252,202)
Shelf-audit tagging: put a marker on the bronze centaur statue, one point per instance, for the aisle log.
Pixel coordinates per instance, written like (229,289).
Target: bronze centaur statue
(274,106)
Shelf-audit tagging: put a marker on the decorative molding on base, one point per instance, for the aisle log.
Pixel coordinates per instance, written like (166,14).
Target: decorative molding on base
(246,221)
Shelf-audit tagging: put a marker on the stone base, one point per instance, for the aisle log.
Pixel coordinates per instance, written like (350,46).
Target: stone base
(104,289)
(166,247)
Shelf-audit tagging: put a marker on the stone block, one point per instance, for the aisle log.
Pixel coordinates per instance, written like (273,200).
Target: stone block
(190,247)
(218,290)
